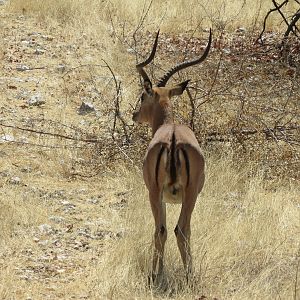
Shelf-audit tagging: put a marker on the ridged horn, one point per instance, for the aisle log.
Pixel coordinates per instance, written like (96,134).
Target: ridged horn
(140,66)
(163,81)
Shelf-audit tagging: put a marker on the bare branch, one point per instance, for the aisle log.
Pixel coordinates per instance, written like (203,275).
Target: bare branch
(259,39)
(57,135)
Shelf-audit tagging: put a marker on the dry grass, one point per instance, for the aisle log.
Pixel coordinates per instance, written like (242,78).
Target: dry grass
(172,16)
(245,230)
(244,238)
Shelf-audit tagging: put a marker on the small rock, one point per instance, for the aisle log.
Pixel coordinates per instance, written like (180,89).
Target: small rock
(65,202)
(25,43)
(36,100)
(15,180)
(226,51)
(60,271)
(6,138)
(22,68)
(85,108)
(130,50)
(56,219)
(241,30)
(39,51)
(93,201)
(47,37)
(45,229)
(26,169)
(43,243)
(34,34)
(61,68)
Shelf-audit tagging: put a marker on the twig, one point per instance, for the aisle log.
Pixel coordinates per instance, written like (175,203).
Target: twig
(50,134)
(117,105)
(30,68)
(49,147)
(280,12)
(142,18)
(259,39)
(192,125)
(295,19)
(213,83)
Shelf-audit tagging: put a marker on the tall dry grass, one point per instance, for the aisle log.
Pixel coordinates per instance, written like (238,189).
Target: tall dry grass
(172,16)
(245,241)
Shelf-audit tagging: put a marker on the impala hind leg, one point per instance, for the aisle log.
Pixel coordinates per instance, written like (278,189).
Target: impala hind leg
(160,234)
(183,232)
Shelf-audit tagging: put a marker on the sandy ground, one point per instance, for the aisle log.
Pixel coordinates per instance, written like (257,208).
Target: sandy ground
(59,225)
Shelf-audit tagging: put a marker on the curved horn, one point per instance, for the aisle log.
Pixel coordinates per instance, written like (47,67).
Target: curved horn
(163,81)
(140,66)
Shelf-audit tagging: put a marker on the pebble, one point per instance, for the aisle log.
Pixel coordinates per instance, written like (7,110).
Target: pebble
(61,68)
(45,229)
(36,100)
(85,108)
(15,180)
(7,138)
(22,68)
(39,51)
(241,29)
(56,219)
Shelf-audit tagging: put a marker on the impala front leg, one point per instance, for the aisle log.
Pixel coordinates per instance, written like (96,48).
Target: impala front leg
(160,234)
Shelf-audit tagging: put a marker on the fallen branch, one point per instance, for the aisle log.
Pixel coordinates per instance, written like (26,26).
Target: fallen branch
(57,135)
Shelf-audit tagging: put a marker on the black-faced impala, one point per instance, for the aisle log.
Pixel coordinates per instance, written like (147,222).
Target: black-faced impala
(173,167)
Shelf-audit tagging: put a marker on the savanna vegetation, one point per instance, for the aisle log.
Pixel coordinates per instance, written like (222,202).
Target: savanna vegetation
(74,213)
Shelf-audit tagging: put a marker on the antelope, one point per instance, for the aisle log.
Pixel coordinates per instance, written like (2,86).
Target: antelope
(173,167)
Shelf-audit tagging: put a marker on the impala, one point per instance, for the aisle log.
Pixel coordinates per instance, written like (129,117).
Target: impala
(173,168)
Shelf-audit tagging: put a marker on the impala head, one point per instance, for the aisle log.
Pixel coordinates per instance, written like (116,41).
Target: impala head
(155,98)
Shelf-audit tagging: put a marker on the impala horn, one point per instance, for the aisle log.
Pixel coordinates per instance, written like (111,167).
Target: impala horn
(140,66)
(163,81)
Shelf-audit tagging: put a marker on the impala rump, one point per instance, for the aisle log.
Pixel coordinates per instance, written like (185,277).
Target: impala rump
(172,169)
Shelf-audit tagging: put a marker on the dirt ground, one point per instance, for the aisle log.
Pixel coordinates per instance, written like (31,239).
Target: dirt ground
(63,223)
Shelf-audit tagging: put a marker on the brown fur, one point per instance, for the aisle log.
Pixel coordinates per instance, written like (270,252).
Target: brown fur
(173,168)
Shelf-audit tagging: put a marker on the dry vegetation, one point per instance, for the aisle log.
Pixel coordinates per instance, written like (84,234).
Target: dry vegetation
(74,213)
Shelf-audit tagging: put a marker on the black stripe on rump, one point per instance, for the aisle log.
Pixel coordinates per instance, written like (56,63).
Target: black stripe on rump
(187,164)
(173,174)
(158,162)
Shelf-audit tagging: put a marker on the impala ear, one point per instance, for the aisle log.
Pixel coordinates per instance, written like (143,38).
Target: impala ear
(148,87)
(179,88)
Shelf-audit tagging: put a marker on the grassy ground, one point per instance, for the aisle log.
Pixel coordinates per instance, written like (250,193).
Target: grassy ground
(75,218)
